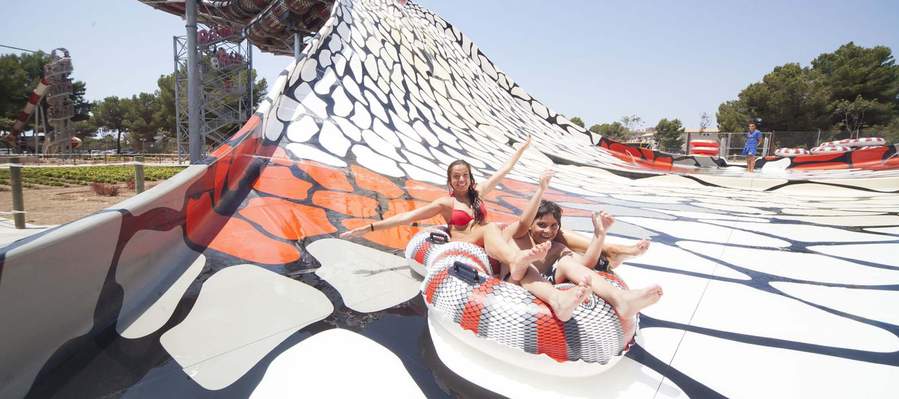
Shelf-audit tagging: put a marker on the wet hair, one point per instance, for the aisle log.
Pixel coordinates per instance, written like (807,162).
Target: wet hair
(473,196)
(550,208)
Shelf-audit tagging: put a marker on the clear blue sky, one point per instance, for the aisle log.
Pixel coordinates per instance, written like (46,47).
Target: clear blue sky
(599,60)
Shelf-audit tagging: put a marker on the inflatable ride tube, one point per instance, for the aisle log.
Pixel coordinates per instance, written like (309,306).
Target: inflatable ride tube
(830,149)
(704,147)
(704,151)
(423,244)
(790,152)
(507,322)
(859,142)
(704,143)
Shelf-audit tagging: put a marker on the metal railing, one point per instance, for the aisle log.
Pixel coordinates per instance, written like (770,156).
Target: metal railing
(731,143)
(17,180)
(91,159)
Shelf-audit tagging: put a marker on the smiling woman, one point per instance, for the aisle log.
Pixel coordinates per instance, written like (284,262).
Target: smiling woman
(465,217)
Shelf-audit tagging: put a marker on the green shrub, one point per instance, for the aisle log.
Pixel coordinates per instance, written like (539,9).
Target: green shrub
(85,175)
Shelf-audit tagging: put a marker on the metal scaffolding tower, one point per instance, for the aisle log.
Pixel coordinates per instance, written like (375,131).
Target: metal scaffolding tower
(225,64)
(61,107)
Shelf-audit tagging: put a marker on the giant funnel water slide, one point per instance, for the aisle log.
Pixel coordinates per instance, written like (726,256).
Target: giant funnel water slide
(228,280)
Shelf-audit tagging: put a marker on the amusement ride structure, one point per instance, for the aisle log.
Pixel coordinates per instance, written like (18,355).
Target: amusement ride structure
(226,84)
(220,49)
(56,89)
(231,278)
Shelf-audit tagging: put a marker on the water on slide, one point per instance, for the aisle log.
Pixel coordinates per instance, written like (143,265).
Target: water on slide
(228,279)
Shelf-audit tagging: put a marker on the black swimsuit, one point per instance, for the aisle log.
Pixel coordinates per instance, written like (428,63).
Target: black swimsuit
(602,265)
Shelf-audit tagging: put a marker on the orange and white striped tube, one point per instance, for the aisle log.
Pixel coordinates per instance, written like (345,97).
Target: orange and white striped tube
(36,95)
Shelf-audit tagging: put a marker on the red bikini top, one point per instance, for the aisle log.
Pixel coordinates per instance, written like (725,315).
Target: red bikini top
(461,218)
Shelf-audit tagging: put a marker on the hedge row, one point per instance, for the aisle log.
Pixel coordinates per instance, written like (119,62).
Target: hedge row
(79,176)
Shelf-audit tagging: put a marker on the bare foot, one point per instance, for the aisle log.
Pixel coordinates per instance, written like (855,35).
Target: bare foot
(564,302)
(640,248)
(519,265)
(602,221)
(635,250)
(632,301)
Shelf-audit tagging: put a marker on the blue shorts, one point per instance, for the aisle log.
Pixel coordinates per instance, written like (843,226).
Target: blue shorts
(748,151)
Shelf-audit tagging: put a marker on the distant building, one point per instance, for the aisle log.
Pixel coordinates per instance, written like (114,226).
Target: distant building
(643,138)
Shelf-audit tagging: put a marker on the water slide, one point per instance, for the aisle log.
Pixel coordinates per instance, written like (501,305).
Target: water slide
(33,100)
(228,280)
(56,85)
(270,24)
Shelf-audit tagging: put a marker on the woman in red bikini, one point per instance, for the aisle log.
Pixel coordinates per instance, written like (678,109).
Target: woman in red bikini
(465,214)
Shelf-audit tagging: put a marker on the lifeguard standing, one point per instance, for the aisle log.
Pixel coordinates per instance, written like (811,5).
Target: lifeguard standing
(753,136)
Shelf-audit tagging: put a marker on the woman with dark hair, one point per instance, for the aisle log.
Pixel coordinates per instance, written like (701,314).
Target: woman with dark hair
(541,224)
(465,215)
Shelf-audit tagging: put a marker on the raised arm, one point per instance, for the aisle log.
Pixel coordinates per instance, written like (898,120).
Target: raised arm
(491,183)
(520,227)
(405,218)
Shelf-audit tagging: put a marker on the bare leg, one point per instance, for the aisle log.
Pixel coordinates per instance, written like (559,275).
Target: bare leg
(500,249)
(562,302)
(601,223)
(626,302)
(579,243)
(572,240)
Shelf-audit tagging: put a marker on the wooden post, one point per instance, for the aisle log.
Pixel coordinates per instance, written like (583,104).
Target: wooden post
(139,174)
(18,200)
